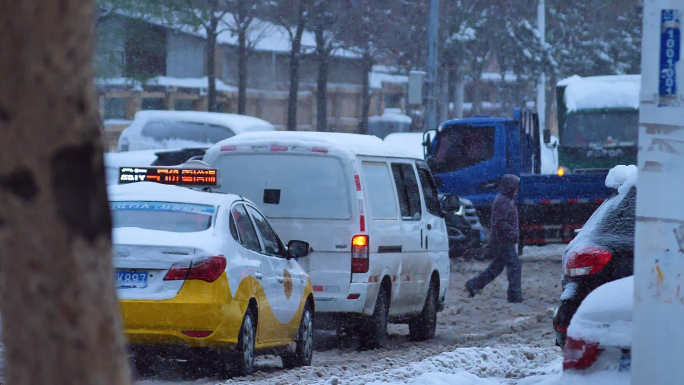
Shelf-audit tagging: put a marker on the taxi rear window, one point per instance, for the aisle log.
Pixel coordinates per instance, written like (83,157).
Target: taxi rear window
(163,216)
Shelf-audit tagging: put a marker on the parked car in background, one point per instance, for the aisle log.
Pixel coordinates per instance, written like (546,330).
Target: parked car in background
(602,252)
(154,129)
(372,213)
(467,237)
(600,334)
(201,273)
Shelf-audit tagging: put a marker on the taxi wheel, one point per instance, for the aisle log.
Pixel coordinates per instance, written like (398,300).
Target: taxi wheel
(304,344)
(244,360)
(376,326)
(423,327)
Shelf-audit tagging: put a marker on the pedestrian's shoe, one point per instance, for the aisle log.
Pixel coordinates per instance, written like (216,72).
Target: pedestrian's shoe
(516,300)
(471,292)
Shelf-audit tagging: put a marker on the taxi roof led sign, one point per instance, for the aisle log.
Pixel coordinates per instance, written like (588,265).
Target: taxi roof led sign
(169,175)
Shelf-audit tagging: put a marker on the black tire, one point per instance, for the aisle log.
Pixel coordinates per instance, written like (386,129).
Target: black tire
(304,343)
(375,330)
(423,327)
(244,357)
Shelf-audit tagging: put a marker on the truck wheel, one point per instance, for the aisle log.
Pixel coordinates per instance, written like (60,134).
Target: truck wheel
(375,330)
(304,343)
(423,327)
(244,358)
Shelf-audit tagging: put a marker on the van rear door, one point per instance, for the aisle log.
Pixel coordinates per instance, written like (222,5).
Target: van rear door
(305,196)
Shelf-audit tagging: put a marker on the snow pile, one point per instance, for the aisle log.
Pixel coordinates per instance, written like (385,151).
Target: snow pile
(410,141)
(466,366)
(618,91)
(605,316)
(377,78)
(622,178)
(394,115)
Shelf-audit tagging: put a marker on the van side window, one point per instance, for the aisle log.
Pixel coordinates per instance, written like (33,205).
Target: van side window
(380,192)
(429,189)
(407,190)
(248,236)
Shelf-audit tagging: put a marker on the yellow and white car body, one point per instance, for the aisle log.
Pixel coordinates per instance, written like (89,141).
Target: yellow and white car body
(187,270)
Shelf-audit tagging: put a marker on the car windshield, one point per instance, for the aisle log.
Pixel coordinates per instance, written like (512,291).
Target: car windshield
(461,147)
(615,128)
(163,216)
(170,130)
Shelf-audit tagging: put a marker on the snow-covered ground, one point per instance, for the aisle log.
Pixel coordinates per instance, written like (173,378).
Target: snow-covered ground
(482,340)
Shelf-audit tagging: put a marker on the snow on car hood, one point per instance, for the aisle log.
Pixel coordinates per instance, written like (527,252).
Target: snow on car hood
(605,316)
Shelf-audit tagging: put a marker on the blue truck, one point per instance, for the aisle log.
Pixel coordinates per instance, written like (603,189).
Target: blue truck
(597,129)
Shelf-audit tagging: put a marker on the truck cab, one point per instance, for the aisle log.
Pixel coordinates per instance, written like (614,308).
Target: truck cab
(470,156)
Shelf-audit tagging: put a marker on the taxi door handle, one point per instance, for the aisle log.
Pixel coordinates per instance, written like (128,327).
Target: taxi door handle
(280,279)
(258,275)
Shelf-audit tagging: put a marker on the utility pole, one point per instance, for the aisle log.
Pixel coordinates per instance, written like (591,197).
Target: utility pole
(541,85)
(657,336)
(432,81)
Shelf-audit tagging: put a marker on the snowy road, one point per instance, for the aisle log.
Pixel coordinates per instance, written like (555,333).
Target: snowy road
(481,340)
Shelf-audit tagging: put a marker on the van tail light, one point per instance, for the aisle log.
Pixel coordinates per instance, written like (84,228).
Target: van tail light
(206,269)
(360,252)
(587,260)
(578,354)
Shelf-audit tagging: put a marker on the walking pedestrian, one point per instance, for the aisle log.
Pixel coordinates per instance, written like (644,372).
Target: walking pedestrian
(502,246)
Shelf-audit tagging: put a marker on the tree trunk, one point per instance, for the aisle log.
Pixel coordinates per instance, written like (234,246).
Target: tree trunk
(366,67)
(323,56)
(211,57)
(295,56)
(60,316)
(242,72)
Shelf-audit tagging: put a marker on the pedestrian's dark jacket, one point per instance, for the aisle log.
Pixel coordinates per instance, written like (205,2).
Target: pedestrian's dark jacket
(504,223)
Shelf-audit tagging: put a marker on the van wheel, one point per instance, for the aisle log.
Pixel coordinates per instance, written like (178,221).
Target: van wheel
(423,327)
(244,359)
(304,343)
(375,333)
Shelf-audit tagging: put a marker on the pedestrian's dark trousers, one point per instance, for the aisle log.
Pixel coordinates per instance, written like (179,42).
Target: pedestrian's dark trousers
(504,255)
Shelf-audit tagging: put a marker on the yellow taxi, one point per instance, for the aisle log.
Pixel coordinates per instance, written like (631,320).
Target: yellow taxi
(206,271)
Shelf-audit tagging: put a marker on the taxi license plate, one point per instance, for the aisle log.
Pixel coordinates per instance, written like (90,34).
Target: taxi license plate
(625,362)
(129,279)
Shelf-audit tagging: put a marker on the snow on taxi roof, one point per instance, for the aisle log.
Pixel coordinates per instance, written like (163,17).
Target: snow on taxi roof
(237,123)
(150,191)
(354,143)
(616,91)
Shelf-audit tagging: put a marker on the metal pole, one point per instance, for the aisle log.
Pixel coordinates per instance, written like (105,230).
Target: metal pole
(657,336)
(432,96)
(541,85)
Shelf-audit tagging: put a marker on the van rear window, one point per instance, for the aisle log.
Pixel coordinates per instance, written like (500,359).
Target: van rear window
(288,185)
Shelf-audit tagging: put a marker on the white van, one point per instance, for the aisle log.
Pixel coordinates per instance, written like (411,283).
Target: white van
(372,216)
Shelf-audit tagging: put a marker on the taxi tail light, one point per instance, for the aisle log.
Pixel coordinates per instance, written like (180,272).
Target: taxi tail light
(206,269)
(360,254)
(587,260)
(579,354)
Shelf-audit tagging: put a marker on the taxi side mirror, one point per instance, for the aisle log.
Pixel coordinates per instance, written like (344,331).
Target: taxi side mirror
(297,249)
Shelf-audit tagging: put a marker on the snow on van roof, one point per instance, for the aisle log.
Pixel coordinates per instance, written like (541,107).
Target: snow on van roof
(617,91)
(358,144)
(155,192)
(622,178)
(237,123)
(411,141)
